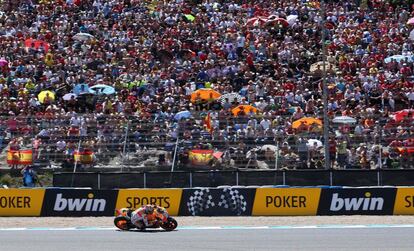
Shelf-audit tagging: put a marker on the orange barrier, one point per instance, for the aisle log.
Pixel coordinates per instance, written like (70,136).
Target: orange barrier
(19,157)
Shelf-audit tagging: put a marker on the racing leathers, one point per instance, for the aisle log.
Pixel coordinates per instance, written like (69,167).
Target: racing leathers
(147,215)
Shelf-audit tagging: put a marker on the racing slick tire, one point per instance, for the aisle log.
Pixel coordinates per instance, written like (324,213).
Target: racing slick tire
(123,223)
(170,225)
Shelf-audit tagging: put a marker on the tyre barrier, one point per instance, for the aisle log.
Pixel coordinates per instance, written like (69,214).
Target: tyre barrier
(220,201)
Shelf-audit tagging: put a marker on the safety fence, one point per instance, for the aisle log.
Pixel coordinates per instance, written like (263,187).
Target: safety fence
(180,179)
(158,143)
(220,201)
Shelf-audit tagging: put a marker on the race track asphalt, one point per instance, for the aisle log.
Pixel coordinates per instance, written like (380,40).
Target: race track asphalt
(233,239)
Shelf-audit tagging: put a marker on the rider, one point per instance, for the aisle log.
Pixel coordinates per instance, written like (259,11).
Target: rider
(147,215)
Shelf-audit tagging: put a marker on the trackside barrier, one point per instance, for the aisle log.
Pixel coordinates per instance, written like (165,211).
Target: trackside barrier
(203,201)
(79,202)
(135,198)
(21,202)
(286,201)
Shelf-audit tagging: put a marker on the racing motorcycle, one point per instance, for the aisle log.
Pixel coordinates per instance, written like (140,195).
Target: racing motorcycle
(123,221)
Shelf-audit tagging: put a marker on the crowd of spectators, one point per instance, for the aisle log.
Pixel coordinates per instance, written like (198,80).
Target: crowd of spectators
(155,54)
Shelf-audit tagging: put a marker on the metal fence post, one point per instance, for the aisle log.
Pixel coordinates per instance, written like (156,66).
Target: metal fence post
(330,178)
(175,151)
(76,163)
(325,90)
(276,155)
(284,177)
(378,178)
(191,179)
(99,180)
(124,147)
(145,180)
(237,178)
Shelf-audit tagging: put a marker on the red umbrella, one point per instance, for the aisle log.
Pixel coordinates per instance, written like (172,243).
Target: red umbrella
(277,21)
(36,44)
(256,21)
(329,25)
(400,115)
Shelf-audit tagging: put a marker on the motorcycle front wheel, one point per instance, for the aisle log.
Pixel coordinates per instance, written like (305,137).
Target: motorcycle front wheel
(122,222)
(170,225)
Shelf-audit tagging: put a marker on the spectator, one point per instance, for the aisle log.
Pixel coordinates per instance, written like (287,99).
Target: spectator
(154,58)
(29,177)
(303,153)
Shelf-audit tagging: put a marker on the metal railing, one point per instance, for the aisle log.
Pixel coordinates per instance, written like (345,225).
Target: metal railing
(156,143)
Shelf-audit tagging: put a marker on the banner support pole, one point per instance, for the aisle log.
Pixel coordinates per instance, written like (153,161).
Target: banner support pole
(76,163)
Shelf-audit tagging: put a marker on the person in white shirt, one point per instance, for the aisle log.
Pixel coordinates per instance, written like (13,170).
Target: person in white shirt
(61,145)
(265,123)
(75,121)
(410,97)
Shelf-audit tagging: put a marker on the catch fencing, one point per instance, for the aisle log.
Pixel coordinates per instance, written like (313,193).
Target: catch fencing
(154,143)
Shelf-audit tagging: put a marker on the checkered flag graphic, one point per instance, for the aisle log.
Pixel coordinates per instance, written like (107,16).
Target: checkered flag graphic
(231,199)
(200,201)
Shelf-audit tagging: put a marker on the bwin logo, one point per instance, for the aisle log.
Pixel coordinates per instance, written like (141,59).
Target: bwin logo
(90,204)
(355,204)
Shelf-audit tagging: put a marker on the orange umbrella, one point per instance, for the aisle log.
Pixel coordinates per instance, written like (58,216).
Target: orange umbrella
(204,94)
(307,121)
(244,108)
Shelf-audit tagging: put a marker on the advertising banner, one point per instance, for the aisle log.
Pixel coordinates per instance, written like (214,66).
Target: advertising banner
(79,202)
(136,198)
(355,201)
(286,201)
(227,201)
(404,201)
(21,202)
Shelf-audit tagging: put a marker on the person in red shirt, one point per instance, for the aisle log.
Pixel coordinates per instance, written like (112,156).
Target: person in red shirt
(73,133)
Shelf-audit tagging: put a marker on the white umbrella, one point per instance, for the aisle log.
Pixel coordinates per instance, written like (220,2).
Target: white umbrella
(69,96)
(328,66)
(398,58)
(411,37)
(291,19)
(83,37)
(269,147)
(311,143)
(344,120)
(230,97)
(125,77)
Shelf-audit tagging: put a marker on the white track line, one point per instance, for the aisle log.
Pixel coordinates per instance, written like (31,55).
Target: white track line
(213,228)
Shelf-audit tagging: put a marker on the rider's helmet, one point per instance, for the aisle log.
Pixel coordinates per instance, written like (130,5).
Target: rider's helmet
(149,209)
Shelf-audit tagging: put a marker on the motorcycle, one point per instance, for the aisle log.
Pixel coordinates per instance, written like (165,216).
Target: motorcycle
(123,221)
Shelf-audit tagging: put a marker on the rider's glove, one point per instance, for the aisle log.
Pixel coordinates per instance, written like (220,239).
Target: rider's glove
(146,221)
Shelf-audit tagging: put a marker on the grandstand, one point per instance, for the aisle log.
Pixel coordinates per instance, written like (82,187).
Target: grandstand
(206,85)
